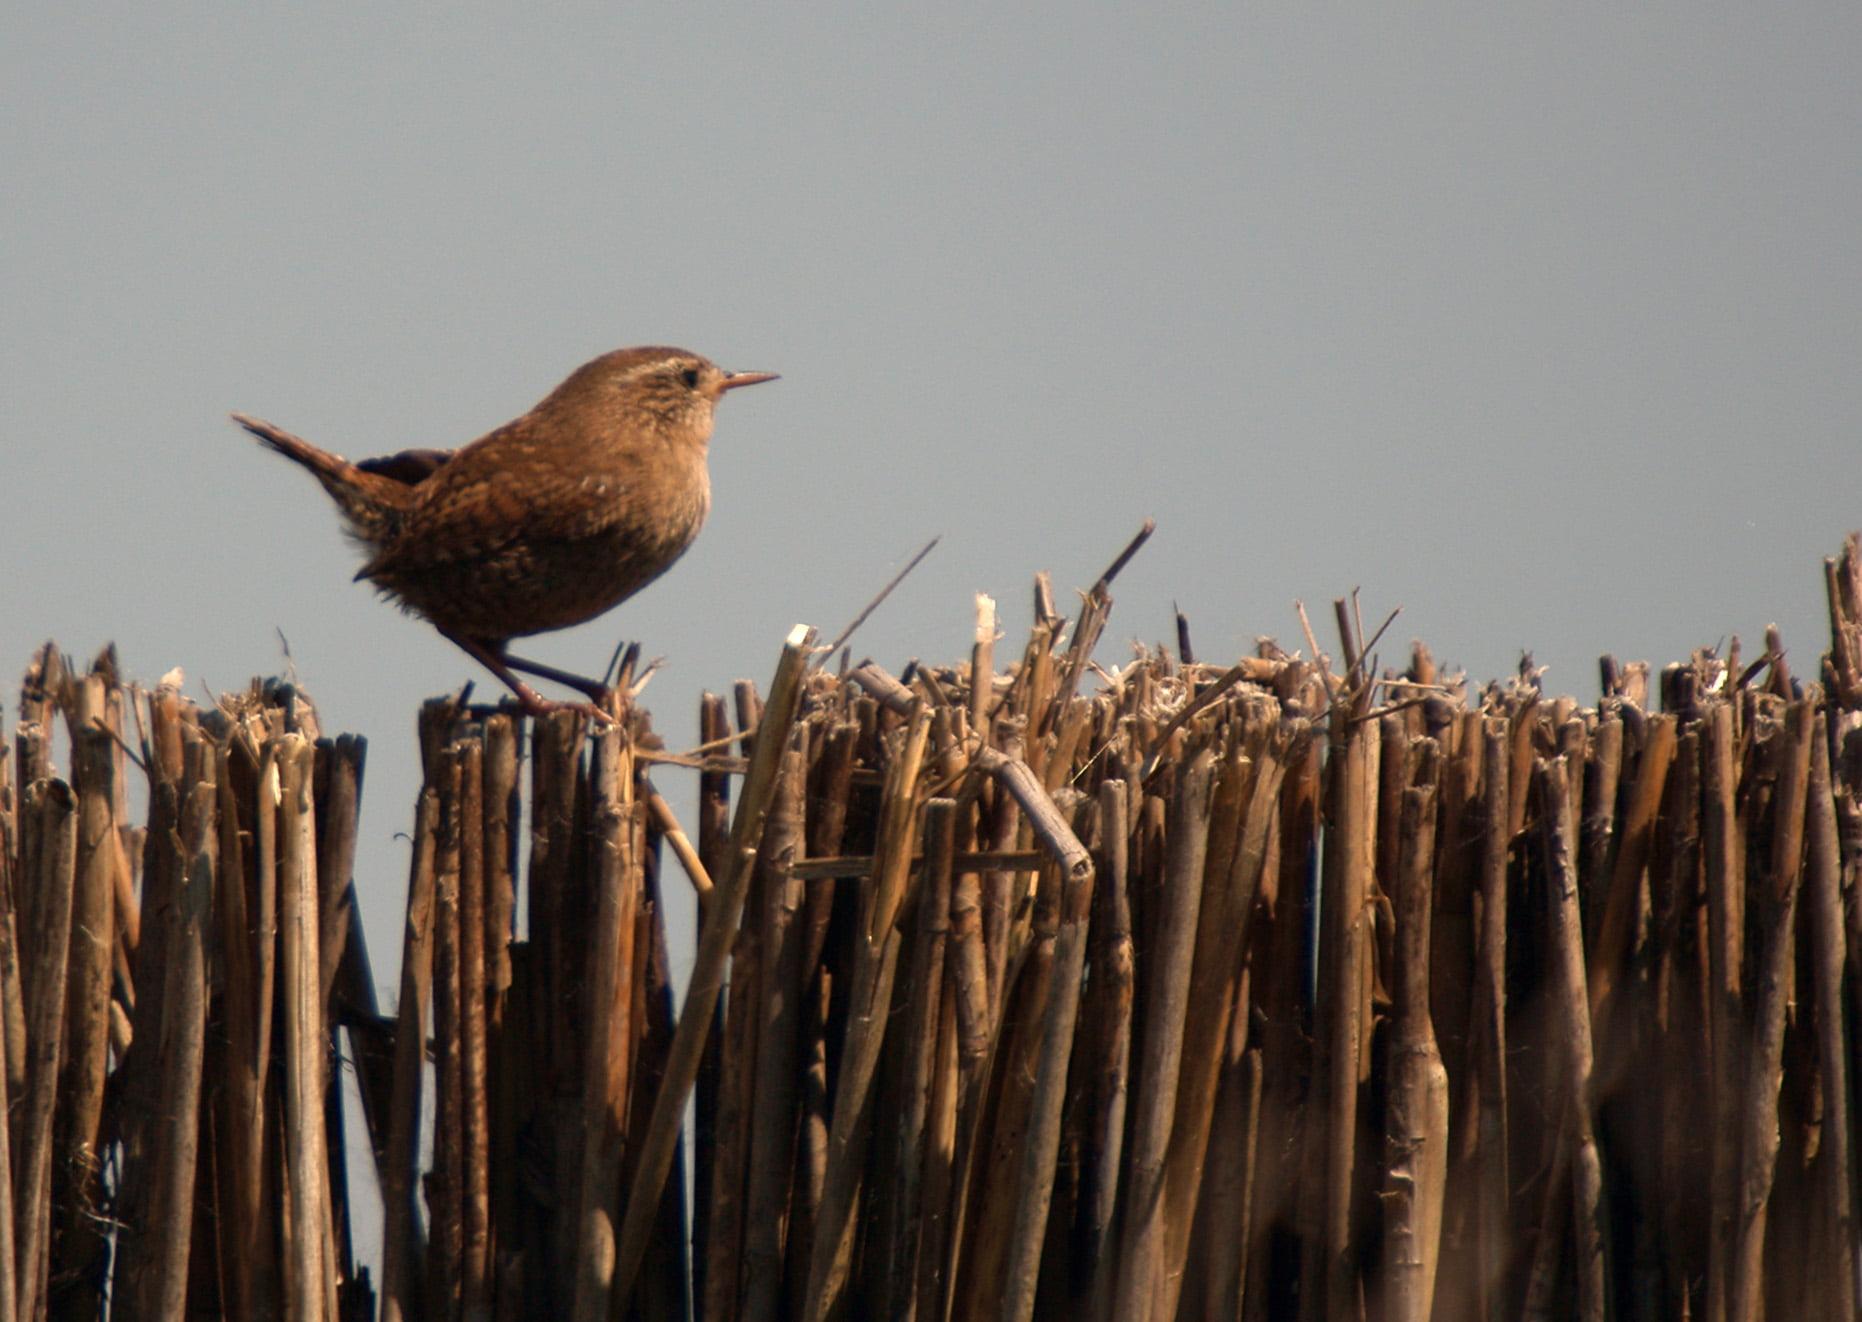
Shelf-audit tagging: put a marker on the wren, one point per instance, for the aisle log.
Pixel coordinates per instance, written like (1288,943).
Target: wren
(546,522)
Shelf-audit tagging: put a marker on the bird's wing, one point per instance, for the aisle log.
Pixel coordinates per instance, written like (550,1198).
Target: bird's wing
(486,497)
(409,467)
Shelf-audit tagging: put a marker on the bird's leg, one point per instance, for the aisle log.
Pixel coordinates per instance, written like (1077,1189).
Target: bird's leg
(594,688)
(492,657)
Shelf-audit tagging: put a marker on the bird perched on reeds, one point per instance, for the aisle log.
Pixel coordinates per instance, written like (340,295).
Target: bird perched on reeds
(548,521)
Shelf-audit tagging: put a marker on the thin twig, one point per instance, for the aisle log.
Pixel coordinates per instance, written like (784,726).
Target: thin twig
(1124,557)
(824,653)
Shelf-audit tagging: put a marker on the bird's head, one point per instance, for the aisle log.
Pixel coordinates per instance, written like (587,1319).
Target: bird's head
(673,389)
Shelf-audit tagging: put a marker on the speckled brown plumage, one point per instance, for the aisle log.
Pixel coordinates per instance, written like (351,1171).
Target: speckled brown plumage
(548,521)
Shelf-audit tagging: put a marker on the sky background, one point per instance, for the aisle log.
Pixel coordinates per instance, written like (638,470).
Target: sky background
(1543,325)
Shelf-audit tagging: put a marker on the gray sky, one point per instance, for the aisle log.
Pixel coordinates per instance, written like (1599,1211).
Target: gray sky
(1543,326)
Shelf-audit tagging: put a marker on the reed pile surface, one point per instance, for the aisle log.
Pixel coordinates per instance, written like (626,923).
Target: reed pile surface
(1024,987)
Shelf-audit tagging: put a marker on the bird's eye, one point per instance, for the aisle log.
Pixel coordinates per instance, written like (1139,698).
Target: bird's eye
(690,377)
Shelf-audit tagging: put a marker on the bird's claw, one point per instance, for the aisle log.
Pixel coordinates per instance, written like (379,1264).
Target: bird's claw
(535,704)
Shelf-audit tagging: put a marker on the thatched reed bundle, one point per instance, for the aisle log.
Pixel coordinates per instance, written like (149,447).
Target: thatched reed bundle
(1290,988)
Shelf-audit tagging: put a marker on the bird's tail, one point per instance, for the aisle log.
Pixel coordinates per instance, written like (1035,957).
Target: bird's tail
(370,502)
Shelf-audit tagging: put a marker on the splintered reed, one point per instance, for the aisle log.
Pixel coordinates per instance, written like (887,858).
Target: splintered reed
(1027,986)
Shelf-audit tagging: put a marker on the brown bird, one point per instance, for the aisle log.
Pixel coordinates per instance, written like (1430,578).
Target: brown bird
(546,522)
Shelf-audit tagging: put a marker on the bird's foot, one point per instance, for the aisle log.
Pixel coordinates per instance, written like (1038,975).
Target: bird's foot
(535,704)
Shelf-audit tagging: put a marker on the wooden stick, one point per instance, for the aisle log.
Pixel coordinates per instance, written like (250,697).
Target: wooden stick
(1347,880)
(1109,1018)
(720,924)
(877,601)
(79,1252)
(772,1120)
(1723,854)
(939,1169)
(184,1030)
(607,1022)
(682,849)
(1161,1040)
(52,811)
(506,1085)
(998,1131)
(1602,774)
(1775,902)
(1416,1125)
(876,960)
(1042,1141)
(1222,938)
(1489,1127)
(849,867)
(983,665)
(338,805)
(1567,956)
(925,1013)
(474,1134)
(445,1180)
(714,824)
(1824,910)
(310,1274)
(402,1293)
(9,1262)
(1608,962)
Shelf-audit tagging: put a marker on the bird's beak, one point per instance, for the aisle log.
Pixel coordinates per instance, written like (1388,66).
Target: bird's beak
(734,379)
